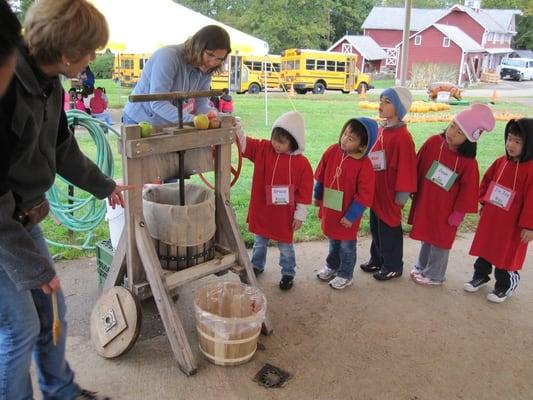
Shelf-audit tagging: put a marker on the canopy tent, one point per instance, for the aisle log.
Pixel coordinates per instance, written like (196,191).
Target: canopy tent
(138,26)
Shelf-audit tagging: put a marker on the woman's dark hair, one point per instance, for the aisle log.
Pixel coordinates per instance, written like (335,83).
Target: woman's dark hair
(283,135)
(211,38)
(357,129)
(468,149)
(10,31)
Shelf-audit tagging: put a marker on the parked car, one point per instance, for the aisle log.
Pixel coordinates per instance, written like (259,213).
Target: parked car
(517,68)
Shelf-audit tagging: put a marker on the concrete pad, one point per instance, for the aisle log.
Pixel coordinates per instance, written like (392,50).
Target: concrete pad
(373,340)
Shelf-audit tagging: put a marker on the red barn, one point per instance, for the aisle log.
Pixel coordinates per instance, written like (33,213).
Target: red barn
(492,30)
(370,55)
(444,44)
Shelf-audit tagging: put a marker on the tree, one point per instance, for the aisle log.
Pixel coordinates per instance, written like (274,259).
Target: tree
(347,17)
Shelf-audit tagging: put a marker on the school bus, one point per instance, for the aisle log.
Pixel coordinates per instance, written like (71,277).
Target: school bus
(249,74)
(127,68)
(317,71)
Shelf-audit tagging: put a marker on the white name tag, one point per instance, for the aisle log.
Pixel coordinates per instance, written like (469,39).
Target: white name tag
(280,195)
(441,175)
(500,196)
(377,158)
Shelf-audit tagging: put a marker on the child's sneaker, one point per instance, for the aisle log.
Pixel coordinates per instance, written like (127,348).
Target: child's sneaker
(422,280)
(498,296)
(415,271)
(326,273)
(475,284)
(340,283)
(286,282)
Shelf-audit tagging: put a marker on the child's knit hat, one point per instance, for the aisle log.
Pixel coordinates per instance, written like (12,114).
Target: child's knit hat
(475,120)
(293,122)
(401,98)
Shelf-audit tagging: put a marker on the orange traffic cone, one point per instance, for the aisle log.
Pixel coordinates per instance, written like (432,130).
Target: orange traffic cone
(362,92)
(493,97)
(291,90)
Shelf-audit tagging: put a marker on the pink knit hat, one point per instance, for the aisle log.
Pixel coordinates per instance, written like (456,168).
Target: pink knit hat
(475,120)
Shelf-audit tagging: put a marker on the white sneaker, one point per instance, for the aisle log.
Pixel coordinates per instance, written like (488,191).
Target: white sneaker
(498,296)
(422,280)
(326,273)
(415,271)
(340,283)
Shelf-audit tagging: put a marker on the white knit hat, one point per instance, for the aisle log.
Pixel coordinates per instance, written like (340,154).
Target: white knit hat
(293,122)
(401,98)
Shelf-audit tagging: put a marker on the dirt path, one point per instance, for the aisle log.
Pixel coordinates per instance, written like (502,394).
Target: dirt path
(374,340)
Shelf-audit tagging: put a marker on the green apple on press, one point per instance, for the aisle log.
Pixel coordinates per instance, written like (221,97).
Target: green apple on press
(146,129)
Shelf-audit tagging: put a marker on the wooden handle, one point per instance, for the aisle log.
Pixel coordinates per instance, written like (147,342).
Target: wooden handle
(136,98)
(56,326)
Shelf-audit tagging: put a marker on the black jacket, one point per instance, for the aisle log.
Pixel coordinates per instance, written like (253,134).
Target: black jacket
(35,144)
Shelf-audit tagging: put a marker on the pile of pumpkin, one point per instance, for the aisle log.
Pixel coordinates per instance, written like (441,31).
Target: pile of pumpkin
(414,118)
(416,107)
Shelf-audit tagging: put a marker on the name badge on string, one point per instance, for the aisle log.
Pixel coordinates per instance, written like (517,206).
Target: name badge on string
(500,196)
(378,160)
(333,199)
(441,175)
(280,195)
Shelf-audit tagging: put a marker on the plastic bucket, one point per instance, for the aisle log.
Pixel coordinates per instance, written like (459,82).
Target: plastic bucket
(115,220)
(229,316)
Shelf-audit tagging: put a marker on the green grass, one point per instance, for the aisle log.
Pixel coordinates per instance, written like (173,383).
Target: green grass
(324,115)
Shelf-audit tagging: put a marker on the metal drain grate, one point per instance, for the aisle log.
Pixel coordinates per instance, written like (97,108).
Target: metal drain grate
(271,377)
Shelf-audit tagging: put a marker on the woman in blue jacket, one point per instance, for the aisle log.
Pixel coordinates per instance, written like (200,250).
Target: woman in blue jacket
(183,67)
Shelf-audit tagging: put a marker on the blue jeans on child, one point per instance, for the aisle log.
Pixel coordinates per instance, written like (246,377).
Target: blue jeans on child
(341,257)
(104,117)
(26,328)
(287,260)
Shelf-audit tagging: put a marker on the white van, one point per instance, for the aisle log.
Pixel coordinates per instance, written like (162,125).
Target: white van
(517,68)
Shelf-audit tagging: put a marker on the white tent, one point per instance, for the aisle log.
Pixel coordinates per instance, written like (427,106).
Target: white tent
(140,26)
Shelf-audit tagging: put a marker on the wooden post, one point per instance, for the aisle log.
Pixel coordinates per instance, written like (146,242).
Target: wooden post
(131,168)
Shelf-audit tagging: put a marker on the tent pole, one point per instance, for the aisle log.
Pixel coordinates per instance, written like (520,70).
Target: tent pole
(265,66)
(405,43)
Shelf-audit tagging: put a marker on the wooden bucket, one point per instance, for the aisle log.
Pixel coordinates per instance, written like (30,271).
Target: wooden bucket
(229,316)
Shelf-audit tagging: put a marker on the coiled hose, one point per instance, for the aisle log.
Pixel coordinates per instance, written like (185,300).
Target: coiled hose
(82,213)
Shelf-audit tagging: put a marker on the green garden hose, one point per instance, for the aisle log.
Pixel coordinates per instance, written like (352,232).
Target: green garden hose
(82,213)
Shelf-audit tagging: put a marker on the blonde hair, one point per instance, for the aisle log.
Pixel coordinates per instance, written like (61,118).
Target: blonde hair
(69,28)
(210,37)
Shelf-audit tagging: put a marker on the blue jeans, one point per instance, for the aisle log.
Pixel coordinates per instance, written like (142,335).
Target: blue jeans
(287,260)
(341,257)
(26,329)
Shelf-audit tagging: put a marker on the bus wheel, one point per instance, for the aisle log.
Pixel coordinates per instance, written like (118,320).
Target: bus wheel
(301,91)
(361,86)
(319,88)
(254,88)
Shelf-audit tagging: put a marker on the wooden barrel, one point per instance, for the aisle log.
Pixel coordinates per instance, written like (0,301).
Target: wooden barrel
(229,316)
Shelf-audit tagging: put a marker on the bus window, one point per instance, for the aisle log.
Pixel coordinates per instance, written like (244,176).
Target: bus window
(276,67)
(341,66)
(310,64)
(331,66)
(321,65)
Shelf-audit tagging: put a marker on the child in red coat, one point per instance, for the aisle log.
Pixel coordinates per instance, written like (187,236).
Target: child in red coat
(448,181)
(281,190)
(506,223)
(344,188)
(225,102)
(394,160)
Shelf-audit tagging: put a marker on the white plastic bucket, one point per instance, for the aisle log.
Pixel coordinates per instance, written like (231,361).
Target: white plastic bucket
(115,220)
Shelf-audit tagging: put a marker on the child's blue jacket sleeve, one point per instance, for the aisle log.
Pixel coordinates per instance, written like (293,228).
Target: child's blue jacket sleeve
(355,211)
(318,191)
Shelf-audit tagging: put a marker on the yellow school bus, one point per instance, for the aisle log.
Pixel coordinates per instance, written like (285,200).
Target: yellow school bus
(127,68)
(318,71)
(249,74)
